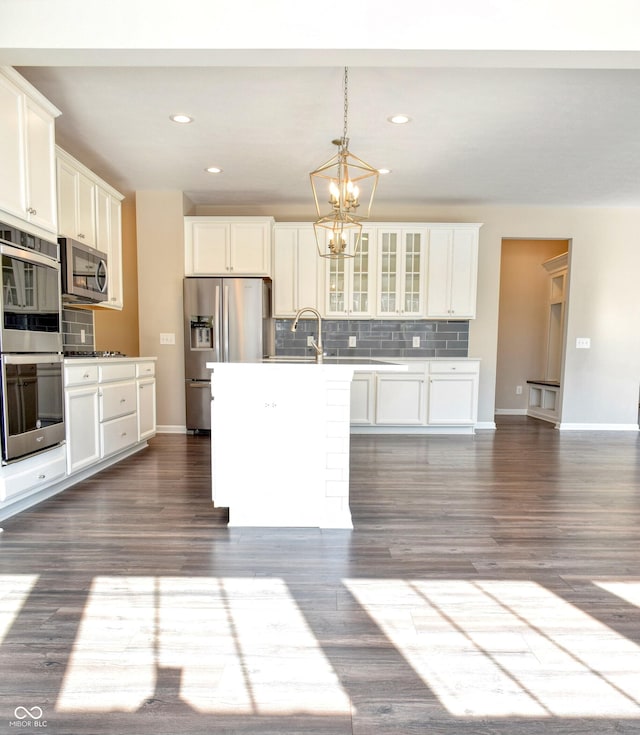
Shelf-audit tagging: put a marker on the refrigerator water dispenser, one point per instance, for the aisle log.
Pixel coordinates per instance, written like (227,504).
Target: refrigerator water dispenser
(201,332)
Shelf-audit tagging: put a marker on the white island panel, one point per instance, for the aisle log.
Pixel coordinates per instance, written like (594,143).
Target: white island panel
(280,442)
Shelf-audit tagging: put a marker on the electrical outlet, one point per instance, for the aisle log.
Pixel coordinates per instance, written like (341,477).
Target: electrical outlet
(352,341)
(83,336)
(583,343)
(518,390)
(416,341)
(310,340)
(167,338)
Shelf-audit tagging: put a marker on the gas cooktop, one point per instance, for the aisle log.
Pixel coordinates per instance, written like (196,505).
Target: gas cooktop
(94,353)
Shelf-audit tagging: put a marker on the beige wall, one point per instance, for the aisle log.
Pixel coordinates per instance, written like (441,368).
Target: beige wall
(161,270)
(523,318)
(118,330)
(600,385)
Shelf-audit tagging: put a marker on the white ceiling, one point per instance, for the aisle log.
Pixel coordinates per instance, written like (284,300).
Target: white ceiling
(563,130)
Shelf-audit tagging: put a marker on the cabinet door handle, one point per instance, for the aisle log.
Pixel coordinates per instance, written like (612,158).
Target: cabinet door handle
(123,400)
(42,477)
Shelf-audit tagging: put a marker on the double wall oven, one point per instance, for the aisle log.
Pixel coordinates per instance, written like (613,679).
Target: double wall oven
(30,344)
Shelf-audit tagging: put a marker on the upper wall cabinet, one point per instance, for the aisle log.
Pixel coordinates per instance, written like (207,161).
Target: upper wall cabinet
(76,201)
(89,210)
(404,270)
(227,246)
(350,282)
(297,271)
(401,272)
(27,141)
(452,271)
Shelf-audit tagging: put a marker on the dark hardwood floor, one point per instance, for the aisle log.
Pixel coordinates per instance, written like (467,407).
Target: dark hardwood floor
(491,585)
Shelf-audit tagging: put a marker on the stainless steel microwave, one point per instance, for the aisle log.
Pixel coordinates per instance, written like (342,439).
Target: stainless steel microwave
(84,271)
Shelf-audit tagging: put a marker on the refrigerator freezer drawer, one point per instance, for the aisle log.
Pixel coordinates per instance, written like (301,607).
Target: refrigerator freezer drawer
(198,399)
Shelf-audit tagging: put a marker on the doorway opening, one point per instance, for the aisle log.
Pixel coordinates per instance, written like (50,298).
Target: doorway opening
(531,327)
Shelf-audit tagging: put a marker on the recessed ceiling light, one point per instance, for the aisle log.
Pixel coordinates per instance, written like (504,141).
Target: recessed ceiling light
(399,119)
(181,118)
(384,171)
(213,170)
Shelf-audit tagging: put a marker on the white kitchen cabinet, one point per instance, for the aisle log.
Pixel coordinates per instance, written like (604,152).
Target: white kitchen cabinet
(453,392)
(27,140)
(81,416)
(89,210)
(103,219)
(401,272)
(110,407)
(297,270)
(350,282)
(234,246)
(76,201)
(432,397)
(146,400)
(400,398)
(112,212)
(452,271)
(362,398)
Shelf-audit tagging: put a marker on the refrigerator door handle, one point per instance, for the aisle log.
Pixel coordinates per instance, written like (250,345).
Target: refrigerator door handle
(225,323)
(216,327)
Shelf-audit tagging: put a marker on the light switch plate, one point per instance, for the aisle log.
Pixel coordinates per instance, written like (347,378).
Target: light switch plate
(167,338)
(583,343)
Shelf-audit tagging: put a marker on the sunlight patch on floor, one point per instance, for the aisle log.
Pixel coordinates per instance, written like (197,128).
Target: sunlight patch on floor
(628,591)
(218,645)
(505,648)
(14,590)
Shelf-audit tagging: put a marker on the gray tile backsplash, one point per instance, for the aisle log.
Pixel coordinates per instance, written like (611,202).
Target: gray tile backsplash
(376,337)
(73,322)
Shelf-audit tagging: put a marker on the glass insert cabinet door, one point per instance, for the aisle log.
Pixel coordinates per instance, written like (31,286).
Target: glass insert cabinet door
(401,267)
(349,281)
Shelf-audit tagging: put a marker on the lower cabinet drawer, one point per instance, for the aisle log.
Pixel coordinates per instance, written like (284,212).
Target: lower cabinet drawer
(118,434)
(453,366)
(32,474)
(117,399)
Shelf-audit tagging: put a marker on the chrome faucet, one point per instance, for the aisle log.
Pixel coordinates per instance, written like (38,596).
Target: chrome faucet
(317,346)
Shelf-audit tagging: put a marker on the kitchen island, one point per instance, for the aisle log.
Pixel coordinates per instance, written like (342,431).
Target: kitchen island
(280,440)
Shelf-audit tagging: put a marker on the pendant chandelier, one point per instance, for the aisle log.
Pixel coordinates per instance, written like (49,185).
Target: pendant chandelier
(343,183)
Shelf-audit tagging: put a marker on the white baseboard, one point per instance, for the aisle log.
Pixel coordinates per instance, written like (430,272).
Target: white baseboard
(364,429)
(486,425)
(510,412)
(597,427)
(170,429)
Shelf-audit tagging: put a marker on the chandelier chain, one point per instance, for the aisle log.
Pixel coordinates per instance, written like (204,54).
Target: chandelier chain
(346,104)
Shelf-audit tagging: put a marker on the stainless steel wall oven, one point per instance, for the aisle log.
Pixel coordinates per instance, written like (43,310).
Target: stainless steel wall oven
(32,404)
(32,400)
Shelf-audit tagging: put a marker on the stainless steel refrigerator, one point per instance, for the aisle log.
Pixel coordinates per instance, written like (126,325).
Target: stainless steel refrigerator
(225,320)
